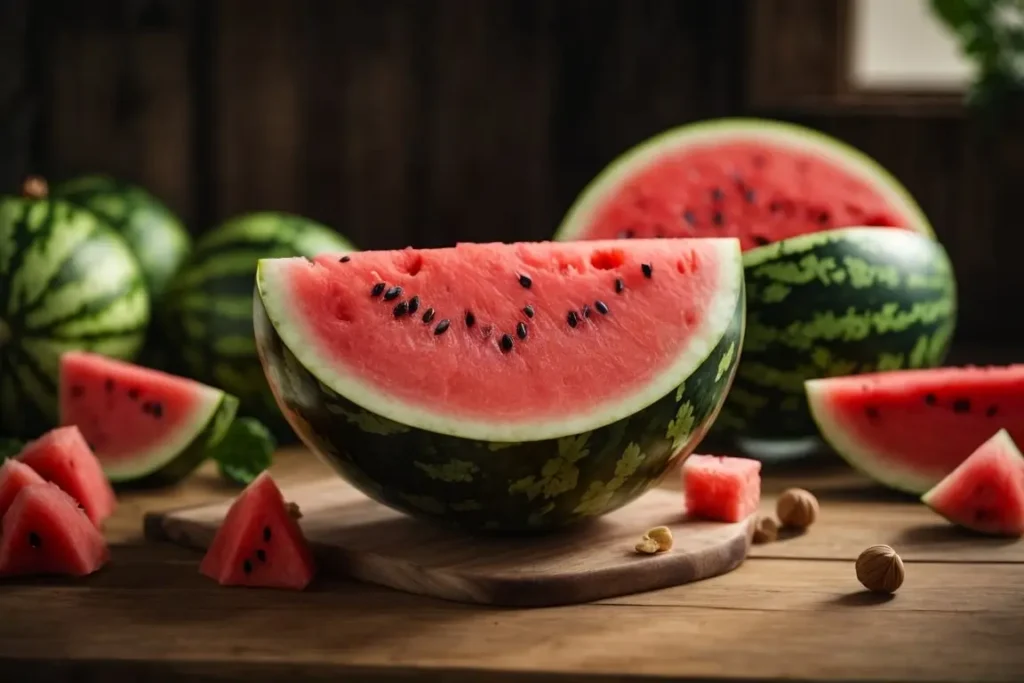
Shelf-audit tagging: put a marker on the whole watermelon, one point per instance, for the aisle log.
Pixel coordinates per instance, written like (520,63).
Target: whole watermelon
(208,311)
(67,281)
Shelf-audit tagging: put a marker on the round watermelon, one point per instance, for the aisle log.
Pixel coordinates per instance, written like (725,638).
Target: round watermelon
(67,281)
(208,311)
(844,274)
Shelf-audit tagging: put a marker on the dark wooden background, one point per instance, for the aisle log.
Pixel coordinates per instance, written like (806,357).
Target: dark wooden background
(429,121)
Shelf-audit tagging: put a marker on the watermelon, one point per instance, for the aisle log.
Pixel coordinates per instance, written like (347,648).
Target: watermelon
(843,273)
(67,281)
(46,533)
(14,476)
(63,457)
(209,307)
(147,427)
(504,386)
(259,543)
(721,488)
(985,493)
(909,429)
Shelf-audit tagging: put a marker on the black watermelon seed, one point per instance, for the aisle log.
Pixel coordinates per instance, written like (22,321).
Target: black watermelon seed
(572,319)
(442,326)
(34,539)
(992,410)
(690,217)
(871,412)
(133,394)
(823,217)
(470,319)
(717,194)
(247,567)
(961,405)
(717,218)
(414,304)
(77,391)
(266,533)
(344,259)
(775,206)
(261,555)
(109,385)
(392,293)
(586,310)
(428,315)
(147,407)
(378,289)
(528,311)
(750,196)
(401,308)
(760,240)
(157,410)
(521,330)
(626,234)
(525,281)
(506,343)
(647,269)
(601,307)
(930,399)
(619,285)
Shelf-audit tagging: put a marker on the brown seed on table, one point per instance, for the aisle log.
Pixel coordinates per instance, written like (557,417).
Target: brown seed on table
(797,508)
(766,529)
(880,569)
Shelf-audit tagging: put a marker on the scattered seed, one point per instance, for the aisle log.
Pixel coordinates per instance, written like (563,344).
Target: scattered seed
(601,307)
(77,391)
(775,206)
(109,385)
(157,410)
(401,308)
(586,310)
(717,218)
(392,293)
(147,407)
(344,259)
(871,412)
(749,195)
(470,319)
(525,281)
(626,234)
(428,315)
(378,289)
(760,240)
(261,555)
(34,539)
(930,399)
(647,269)
(961,405)
(506,342)
(247,567)
(991,411)
(521,330)
(266,533)
(528,311)
(133,394)
(572,319)
(690,217)
(823,217)
(619,285)
(442,326)
(717,194)
(414,304)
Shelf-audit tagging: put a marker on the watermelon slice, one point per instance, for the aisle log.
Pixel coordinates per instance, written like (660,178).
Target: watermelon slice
(145,426)
(985,493)
(45,532)
(908,429)
(260,544)
(721,488)
(14,476)
(504,386)
(63,457)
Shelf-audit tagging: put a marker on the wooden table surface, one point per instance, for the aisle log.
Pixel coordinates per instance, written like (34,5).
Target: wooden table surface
(792,611)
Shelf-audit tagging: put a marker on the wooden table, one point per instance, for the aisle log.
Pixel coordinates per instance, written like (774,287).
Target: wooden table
(793,611)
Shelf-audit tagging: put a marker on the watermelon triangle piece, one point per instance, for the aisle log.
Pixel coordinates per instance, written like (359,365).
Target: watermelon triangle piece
(985,493)
(14,476)
(260,543)
(46,533)
(63,457)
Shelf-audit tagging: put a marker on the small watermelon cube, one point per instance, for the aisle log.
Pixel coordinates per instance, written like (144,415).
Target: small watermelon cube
(721,488)
(63,457)
(14,476)
(46,533)
(260,543)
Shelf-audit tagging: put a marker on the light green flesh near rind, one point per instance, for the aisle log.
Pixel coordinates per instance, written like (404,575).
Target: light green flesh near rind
(836,152)
(1001,441)
(272,288)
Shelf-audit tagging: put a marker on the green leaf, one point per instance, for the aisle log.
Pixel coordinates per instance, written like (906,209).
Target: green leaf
(246,450)
(10,448)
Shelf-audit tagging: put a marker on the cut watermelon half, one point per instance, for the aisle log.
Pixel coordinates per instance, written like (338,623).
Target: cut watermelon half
(14,476)
(985,493)
(908,429)
(721,488)
(63,457)
(259,543)
(46,533)
(144,425)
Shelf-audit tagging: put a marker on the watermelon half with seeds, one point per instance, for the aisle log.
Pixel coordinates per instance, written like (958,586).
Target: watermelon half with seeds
(145,426)
(909,429)
(504,386)
(843,273)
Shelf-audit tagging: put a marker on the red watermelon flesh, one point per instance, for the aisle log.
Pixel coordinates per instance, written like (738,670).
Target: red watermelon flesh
(758,181)
(260,544)
(14,476)
(45,532)
(721,488)
(63,457)
(985,493)
(566,330)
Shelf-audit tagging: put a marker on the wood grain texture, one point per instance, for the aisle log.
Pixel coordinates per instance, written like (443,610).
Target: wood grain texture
(353,536)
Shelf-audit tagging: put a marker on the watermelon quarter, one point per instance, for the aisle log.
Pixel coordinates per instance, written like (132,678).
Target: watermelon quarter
(985,493)
(145,426)
(909,429)
(843,273)
(504,386)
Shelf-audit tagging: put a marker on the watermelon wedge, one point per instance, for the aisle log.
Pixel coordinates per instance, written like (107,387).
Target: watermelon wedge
(14,476)
(909,429)
(985,493)
(145,426)
(504,386)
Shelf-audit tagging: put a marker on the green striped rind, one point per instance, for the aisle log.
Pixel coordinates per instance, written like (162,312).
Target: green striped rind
(209,304)
(840,302)
(156,236)
(67,281)
(500,486)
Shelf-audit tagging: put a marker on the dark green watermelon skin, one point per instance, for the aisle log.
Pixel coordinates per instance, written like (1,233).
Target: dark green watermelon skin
(840,302)
(500,487)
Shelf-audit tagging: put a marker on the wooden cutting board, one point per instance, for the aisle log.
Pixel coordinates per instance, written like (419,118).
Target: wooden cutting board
(355,537)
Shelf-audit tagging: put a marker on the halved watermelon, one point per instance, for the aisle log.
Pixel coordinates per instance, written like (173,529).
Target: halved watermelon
(985,493)
(504,386)
(14,476)
(145,426)
(259,543)
(45,532)
(63,457)
(908,429)
(721,488)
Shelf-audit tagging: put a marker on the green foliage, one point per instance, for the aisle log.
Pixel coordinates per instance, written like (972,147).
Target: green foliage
(246,450)
(9,448)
